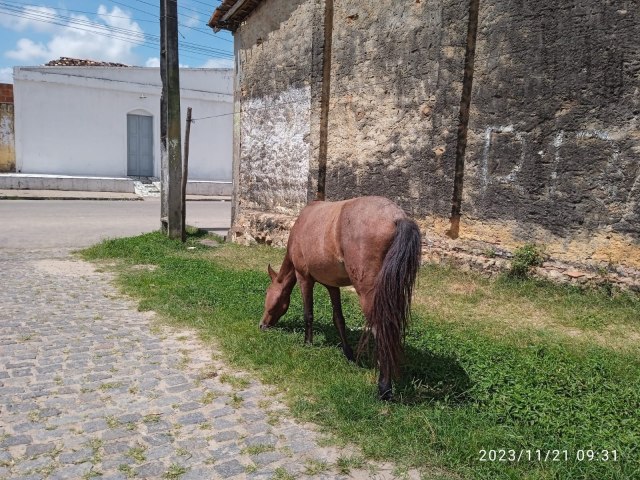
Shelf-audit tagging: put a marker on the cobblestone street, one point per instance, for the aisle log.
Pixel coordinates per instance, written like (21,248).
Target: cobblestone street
(90,387)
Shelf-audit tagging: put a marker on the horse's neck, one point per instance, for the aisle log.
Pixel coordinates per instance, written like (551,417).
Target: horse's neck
(287,273)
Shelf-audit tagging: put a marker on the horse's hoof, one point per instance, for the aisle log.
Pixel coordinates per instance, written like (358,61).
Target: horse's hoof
(349,354)
(385,395)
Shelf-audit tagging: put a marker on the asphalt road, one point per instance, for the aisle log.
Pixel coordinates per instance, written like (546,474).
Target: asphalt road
(38,224)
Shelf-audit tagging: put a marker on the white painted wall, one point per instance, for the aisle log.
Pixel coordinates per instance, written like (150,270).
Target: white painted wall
(73,120)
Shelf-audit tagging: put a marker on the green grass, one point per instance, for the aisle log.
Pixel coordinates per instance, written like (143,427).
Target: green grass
(507,364)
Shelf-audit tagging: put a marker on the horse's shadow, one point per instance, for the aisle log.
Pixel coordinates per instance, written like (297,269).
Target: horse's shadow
(425,376)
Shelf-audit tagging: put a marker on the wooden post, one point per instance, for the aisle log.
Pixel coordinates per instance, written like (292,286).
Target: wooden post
(463,124)
(171,148)
(185,174)
(324,99)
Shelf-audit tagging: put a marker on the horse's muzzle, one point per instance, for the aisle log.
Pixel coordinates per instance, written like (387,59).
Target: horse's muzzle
(263,326)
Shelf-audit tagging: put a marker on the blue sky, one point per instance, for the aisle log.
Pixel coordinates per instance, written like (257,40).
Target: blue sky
(125,31)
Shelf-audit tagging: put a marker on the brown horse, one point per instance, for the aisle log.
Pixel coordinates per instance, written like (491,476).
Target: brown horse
(366,242)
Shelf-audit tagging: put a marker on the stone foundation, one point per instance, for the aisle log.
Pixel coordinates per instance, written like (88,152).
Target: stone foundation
(469,253)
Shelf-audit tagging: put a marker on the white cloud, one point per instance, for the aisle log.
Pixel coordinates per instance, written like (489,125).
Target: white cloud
(6,75)
(192,20)
(27,50)
(81,37)
(31,18)
(152,62)
(218,63)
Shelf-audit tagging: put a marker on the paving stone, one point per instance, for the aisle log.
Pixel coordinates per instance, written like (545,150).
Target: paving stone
(229,469)
(151,470)
(92,356)
(39,449)
(192,418)
(79,456)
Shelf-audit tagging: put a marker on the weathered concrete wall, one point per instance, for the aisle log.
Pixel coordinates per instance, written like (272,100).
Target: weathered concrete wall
(274,54)
(396,87)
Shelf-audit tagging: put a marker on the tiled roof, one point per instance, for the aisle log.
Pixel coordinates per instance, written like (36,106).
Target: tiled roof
(79,62)
(231,13)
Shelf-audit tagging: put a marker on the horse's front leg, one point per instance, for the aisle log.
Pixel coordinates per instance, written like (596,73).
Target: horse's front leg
(338,321)
(306,287)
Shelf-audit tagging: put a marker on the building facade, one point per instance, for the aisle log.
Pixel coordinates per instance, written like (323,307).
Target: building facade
(104,121)
(525,113)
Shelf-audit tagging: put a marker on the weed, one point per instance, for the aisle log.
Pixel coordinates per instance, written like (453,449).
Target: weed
(345,464)
(126,470)
(236,400)
(175,472)
(112,422)
(281,474)
(251,468)
(137,453)
(208,397)
(257,449)
(151,418)
(314,466)
(524,259)
(236,382)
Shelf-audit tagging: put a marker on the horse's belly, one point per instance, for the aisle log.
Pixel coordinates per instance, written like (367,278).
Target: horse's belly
(333,275)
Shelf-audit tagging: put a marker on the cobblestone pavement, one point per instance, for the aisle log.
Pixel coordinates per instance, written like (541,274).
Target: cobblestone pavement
(90,387)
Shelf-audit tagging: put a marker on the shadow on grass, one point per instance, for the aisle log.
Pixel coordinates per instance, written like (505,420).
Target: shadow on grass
(426,376)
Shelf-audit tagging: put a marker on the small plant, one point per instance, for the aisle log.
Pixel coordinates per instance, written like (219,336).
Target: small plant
(175,471)
(345,464)
(151,418)
(127,470)
(314,467)
(137,453)
(236,382)
(281,474)
(524,259)
(208,397)
(490,253)
(236,401)
(257,449)
(251,468)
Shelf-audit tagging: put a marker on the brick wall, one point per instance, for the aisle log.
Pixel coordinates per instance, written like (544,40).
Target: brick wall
(6,93)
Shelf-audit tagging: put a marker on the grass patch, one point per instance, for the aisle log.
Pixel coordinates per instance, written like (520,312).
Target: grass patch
(510,364)
(257,449)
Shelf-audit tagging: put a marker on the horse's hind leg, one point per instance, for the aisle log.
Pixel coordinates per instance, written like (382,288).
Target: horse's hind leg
(306,287)
(338,320)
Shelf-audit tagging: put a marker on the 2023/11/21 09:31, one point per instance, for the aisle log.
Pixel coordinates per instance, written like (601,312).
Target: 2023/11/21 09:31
(551,455)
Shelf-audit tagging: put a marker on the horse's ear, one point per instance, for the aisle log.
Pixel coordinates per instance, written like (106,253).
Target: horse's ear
(272,273)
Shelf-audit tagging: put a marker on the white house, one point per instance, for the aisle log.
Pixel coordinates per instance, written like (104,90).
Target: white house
(104,121)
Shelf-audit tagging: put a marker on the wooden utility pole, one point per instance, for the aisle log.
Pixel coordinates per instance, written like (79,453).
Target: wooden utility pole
(171,162)
(185,174)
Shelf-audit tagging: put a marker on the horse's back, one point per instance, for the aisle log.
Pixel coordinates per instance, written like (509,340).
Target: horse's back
(337,243)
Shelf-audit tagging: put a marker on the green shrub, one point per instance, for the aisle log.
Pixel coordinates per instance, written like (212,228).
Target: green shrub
(524,259)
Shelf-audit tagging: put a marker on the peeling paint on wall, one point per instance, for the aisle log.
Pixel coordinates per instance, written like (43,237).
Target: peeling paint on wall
(7,139)
(275,151)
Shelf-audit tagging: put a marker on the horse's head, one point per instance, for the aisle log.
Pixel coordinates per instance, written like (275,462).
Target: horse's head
(276,302)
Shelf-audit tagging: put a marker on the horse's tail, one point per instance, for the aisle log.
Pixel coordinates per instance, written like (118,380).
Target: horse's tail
(392,296)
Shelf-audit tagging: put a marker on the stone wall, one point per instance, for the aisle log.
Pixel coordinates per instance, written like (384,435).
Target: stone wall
(553,152)
(554,137)
(396,87)
(274,50)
